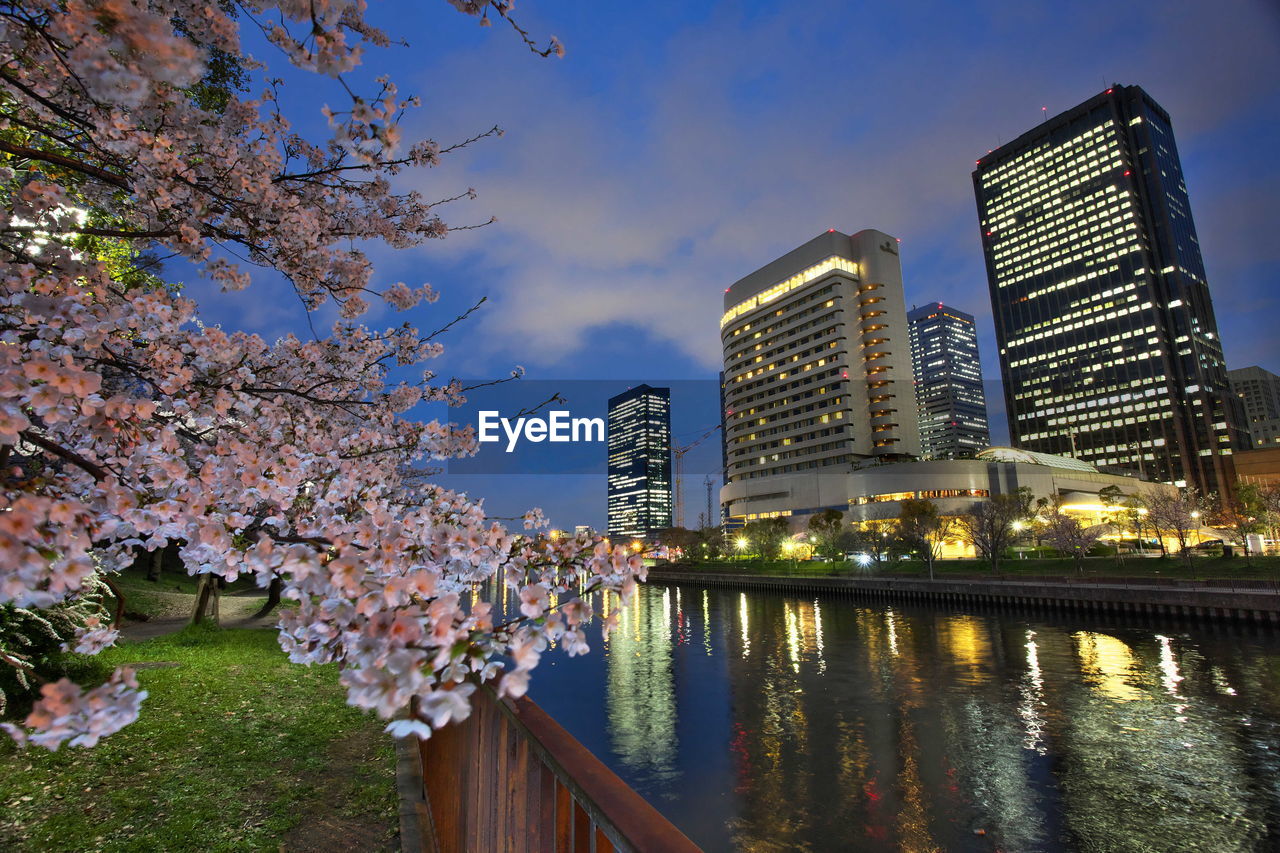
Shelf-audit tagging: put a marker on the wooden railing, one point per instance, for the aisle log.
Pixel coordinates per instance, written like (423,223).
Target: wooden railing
(509,778)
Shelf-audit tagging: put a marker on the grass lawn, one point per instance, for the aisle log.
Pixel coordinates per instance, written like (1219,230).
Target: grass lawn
(236,749)
(1203,568)
(171,596)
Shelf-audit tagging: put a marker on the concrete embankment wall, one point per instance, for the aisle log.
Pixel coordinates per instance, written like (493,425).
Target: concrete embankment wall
(1247,601)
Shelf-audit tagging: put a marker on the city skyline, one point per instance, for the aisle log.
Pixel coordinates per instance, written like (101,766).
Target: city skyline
(691,205)
(282,464)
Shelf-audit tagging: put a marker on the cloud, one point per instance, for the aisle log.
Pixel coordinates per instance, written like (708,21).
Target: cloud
(630,195)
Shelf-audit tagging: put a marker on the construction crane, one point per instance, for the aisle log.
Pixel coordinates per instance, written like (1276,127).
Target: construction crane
(679,452)
(708,483)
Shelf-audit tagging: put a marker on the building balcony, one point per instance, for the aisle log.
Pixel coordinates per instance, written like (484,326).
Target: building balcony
(874,337)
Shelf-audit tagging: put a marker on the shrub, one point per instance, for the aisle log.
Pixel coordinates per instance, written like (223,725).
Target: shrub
(34,640)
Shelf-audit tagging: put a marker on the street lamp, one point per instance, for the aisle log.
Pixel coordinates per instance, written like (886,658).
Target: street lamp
(742,544)
(1017,527)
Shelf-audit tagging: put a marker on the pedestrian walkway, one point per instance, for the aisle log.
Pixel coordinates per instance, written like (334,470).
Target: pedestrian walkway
(235,610)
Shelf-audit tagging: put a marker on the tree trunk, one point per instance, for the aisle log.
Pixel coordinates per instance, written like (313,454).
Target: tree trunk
(118,615)
(273,597)
(206,600)
(157,565)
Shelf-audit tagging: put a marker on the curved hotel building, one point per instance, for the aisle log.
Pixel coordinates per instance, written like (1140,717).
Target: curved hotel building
(817,375)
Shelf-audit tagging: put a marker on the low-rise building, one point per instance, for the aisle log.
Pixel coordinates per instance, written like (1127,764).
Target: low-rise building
(1258,466)
(875,492)
(956,485)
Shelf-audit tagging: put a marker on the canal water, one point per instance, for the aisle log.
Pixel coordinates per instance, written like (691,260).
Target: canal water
(760,721)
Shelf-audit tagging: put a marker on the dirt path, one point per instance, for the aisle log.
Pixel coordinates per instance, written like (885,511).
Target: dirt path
(335,820)
(173,613)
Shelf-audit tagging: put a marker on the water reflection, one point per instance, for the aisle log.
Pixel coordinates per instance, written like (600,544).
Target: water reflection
(1032,693)
(801,724)
(640,694)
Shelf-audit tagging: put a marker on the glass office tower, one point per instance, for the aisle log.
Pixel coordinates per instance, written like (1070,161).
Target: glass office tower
(1109,349)
(639,461)
(950,400)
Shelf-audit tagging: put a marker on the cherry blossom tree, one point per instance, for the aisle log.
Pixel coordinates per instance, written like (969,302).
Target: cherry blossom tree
(991,527)
(1241,513)
(1071,537)
(1177,515)
(923,528)
(125,422)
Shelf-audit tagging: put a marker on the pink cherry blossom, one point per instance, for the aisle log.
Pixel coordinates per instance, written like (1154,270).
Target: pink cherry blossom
(533,601)
(290,459)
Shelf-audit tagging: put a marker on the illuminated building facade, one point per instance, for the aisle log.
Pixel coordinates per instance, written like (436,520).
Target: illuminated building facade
(951,405)
(1259,393)
(955,486)
(817,373)
(1109,348)
(639,444)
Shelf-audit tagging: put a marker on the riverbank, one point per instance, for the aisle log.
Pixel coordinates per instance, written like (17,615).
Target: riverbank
(1137,568)
(1245,600)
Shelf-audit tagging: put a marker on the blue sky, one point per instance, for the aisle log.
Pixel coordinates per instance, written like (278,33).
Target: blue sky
(679,146)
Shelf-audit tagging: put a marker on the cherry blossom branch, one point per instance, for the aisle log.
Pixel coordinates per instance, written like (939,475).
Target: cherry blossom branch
(456,320)
(92,468)
(64,161)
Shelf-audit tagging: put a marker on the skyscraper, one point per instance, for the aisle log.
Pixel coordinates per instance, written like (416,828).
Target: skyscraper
(1108,345)
(950,401)
(639,461)
(817,374)
(1259,394)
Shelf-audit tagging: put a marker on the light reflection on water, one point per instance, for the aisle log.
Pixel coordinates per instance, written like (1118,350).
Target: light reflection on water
(765,722)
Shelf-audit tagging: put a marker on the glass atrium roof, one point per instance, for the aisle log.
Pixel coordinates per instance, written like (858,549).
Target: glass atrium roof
(1013,454)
